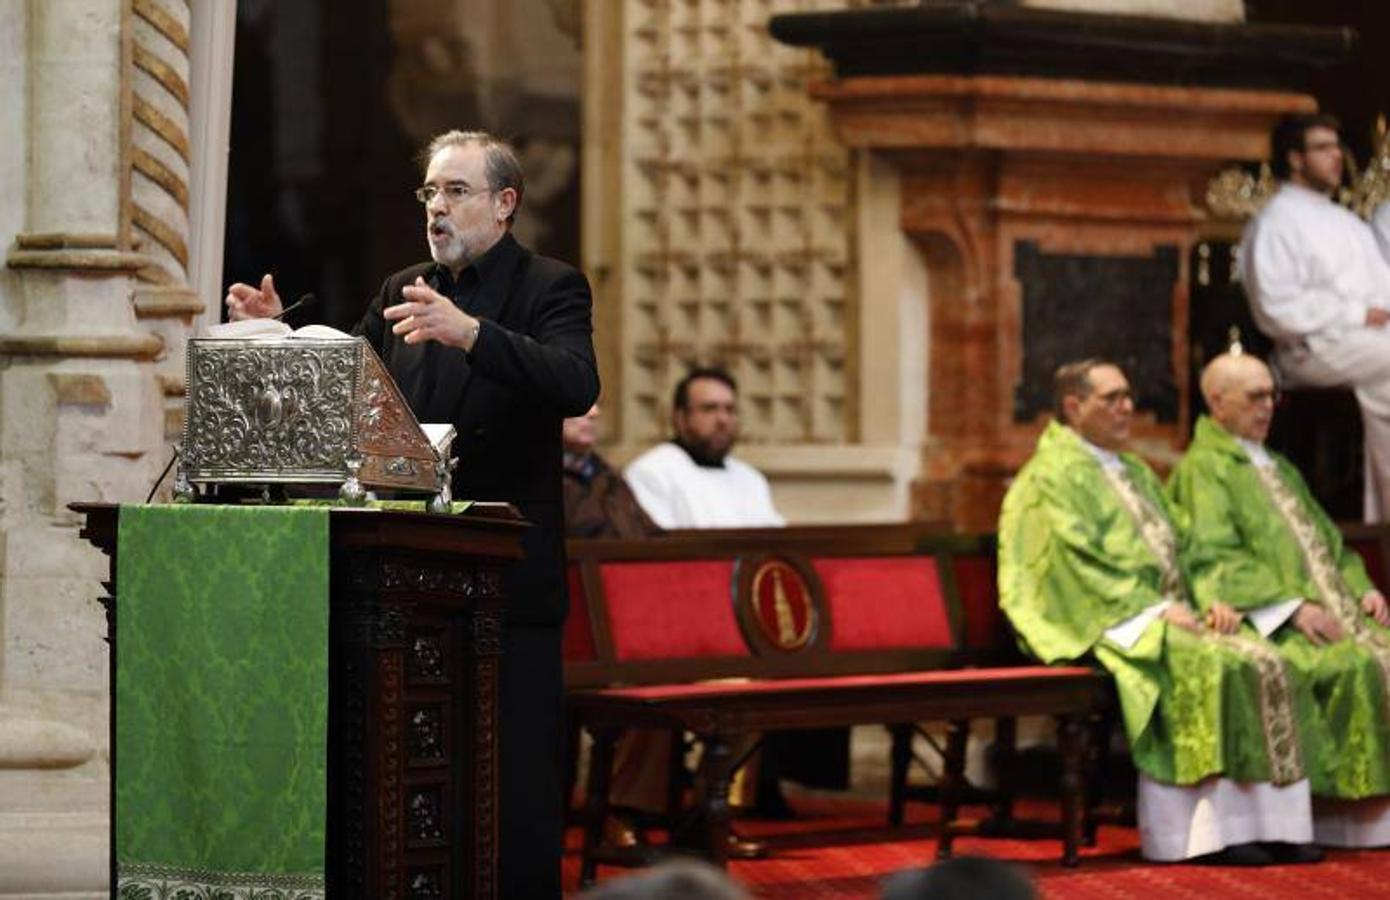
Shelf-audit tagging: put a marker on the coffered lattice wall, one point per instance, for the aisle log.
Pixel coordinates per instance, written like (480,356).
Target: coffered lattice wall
(736,213)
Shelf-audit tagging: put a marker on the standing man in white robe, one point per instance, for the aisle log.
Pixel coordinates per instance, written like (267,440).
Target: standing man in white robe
(1319,286)
(692,481)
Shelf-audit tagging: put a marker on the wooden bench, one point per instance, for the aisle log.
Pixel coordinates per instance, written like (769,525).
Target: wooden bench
(821,627)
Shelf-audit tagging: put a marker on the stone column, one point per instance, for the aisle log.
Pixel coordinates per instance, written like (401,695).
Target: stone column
(93,219)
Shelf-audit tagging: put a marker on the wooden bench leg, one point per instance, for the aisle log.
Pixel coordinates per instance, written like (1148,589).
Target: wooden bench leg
(716,769)
(952,779)
(596,804)
(899,760)
(1071,745)
(1005,760)
(1097,772)
(675,778)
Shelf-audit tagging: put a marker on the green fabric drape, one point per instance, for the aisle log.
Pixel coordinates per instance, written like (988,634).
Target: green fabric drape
(221,702)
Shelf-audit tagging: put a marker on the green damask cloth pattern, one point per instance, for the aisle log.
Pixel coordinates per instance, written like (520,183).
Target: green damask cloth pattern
(1247,553)
(1073,563)
(221,702)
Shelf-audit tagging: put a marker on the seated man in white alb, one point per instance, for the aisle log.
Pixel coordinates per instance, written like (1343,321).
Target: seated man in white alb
(692,481)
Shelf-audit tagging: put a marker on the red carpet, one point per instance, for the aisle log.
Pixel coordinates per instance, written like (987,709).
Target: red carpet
(840,848)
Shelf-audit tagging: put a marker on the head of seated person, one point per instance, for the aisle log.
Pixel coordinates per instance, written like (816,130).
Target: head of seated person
(580,433)
(1240,394)
(961,878)
(704,414)
(1092,397)
(683,880)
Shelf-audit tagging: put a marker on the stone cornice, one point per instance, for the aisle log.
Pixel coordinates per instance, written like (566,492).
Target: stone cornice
(74,252)
(162,302)
(974,37)
(119,346)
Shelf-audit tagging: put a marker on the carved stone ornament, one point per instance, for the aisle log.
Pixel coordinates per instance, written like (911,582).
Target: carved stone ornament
(301,410)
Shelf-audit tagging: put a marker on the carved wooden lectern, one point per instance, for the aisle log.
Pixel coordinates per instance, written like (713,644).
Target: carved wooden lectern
(415,627)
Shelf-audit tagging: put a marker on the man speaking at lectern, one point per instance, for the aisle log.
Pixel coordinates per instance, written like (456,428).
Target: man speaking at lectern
(497,341)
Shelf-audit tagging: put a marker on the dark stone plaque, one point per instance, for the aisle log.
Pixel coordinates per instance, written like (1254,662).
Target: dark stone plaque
(1118,307)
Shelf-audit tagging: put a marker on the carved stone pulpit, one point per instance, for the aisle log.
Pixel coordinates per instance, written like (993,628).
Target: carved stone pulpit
(1051,168)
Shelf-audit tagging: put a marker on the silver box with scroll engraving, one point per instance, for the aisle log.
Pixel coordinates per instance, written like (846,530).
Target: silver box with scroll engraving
(301,410)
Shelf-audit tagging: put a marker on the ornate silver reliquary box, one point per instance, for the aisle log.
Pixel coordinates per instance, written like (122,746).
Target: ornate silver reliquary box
(305,410)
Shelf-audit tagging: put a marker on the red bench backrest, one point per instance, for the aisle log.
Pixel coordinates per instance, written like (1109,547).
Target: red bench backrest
(665,609)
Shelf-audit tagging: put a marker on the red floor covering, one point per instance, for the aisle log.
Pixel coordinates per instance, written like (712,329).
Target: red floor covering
(839,848)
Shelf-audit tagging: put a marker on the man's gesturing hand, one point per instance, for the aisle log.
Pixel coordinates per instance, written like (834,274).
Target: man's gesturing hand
(245,302)
(1317,624)
(1223,618)
(427,315)
(1183,617)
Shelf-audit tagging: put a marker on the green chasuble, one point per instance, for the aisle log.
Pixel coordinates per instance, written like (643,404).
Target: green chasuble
(1082,550)
(1258,537)
(221,702)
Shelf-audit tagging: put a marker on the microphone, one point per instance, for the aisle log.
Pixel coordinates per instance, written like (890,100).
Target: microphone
(304,301)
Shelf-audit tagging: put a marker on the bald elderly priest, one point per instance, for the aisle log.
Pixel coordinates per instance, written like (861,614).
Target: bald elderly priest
(1266,552)
(1092,564)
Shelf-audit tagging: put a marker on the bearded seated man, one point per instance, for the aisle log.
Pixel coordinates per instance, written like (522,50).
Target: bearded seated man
(1264,550)
(1092,565)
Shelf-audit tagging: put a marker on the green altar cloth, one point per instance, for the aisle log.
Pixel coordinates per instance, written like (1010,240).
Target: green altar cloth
(221,702)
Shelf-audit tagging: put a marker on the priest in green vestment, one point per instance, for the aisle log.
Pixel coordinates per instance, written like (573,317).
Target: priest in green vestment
(1265,550)
(1092,565)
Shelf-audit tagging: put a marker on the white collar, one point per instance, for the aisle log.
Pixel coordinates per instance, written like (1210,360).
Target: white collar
(1257,453)
(1305,193)
(1108,459)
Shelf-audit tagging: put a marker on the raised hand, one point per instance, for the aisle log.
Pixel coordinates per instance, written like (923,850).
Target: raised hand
(245,302)
(427,315)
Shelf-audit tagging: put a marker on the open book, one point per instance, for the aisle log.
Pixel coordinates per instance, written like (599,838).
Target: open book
(273,328)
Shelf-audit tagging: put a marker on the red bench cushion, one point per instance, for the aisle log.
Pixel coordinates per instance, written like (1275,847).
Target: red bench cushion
(579,636)
(979,600)
(881,602)
(657,692)
(671,610)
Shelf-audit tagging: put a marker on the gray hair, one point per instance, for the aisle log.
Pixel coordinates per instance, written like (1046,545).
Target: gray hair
(500,162)
(1073,379)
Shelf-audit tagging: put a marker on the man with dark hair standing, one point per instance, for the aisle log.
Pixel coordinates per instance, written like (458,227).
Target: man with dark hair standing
(497,341)
(1092,564)
(1319,286)
(692,481)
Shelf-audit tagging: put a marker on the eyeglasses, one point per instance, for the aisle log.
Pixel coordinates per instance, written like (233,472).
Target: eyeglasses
(454,192)
(1115,397)
(1263,395)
